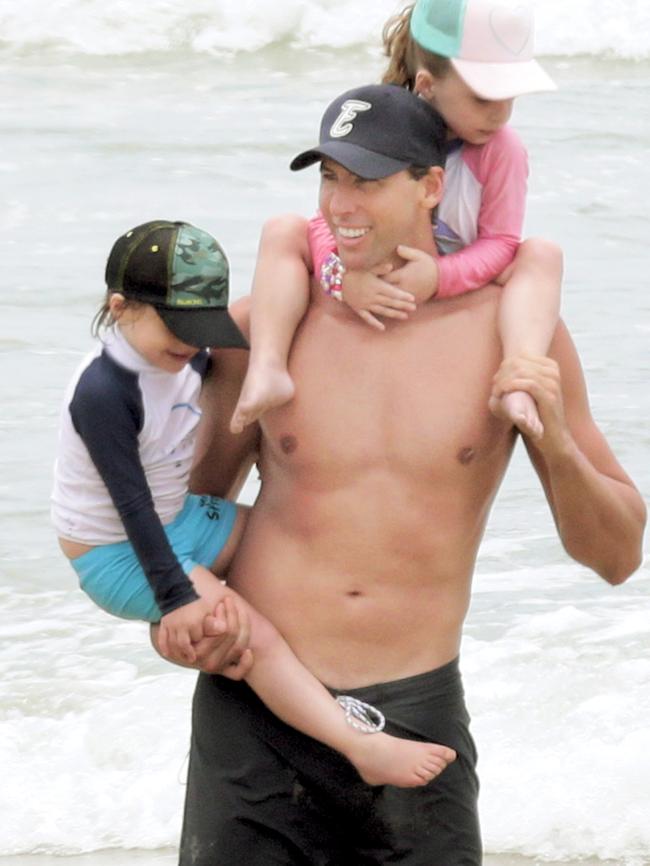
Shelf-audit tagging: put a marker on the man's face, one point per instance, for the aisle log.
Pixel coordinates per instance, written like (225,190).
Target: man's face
(369,218)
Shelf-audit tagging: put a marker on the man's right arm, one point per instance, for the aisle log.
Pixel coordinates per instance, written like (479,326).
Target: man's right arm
(224,459)
(221,467)
(223,649)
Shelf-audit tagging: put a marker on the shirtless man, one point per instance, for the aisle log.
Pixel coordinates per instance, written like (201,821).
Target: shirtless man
(377,481)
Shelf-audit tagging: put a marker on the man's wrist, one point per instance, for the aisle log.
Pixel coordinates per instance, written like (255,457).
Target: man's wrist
(562,452)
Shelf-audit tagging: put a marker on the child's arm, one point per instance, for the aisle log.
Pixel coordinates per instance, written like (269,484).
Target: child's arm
(499,169)
(371,294)
(108,420)
(531,272)
(280,296)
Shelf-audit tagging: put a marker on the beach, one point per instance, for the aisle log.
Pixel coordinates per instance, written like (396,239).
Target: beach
(109,120)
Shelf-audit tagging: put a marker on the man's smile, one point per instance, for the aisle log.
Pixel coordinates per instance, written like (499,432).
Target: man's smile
(350,232)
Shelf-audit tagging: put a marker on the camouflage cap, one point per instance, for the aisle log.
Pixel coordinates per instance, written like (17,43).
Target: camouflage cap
(181,271)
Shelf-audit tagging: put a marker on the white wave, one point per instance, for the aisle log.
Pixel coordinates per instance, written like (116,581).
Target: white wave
(107,776)
(112,27)
(94,729)
(560,714)
(116,27)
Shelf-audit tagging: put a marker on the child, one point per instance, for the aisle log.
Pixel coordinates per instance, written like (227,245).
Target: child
(143,547)
(468,60)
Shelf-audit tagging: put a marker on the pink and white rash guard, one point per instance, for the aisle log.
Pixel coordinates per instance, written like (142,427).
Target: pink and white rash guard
(480,217)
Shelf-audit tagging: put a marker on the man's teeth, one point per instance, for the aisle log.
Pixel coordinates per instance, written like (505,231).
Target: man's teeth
(352,233)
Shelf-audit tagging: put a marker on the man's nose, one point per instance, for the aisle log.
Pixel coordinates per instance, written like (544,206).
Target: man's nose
(342,201)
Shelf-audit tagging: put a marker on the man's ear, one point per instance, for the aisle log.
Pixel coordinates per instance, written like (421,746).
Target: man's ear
(433,185)
(116,305)
(424,84)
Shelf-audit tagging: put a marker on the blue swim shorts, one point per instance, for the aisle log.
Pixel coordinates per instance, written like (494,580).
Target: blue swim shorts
(113,577)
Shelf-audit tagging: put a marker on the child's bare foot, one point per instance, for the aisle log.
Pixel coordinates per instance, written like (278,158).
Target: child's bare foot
(385,760)
(264,388)
(520,409)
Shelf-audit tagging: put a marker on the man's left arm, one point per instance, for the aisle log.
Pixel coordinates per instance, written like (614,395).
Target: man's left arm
(598,511)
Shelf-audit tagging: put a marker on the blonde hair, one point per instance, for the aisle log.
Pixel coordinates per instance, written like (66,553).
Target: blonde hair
(405,55)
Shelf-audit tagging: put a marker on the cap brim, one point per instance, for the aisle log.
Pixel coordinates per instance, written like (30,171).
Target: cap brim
(503,80)
(358,160)
(211,328)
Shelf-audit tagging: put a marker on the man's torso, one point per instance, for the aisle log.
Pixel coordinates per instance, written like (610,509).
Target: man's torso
(376,483)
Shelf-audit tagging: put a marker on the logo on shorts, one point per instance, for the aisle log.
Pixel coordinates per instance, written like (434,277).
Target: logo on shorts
(343,125)
(211,505)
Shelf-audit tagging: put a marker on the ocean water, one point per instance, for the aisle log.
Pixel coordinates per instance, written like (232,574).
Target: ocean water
(114,113)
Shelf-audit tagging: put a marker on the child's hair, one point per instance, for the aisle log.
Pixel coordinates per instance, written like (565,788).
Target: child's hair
(103,318)
(405,55)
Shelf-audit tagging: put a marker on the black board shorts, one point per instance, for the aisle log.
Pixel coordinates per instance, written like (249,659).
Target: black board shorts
(260,793)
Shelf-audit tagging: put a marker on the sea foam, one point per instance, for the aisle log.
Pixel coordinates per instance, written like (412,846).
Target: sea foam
(619,28)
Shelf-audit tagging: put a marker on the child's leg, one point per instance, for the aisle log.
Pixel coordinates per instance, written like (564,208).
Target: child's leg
(279,300)
(300,700)
(528,314)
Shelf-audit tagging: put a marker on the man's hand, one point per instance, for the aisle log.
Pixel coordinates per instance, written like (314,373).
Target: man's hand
(224,648)
(220,638)
(182,628)
(539,377)
(370,295)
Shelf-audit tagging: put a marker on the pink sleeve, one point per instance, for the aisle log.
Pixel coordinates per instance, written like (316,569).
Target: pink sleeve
(321,241)
(501,168)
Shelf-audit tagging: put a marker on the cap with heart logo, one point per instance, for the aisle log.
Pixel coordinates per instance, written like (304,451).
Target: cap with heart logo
(489,43)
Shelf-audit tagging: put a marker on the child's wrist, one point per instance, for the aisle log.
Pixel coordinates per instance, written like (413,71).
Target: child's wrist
(332,272)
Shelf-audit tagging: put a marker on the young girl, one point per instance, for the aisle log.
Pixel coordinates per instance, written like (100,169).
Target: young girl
(468,60)
(143,547)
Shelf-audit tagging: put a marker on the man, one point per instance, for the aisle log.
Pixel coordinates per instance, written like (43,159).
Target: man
(377,481)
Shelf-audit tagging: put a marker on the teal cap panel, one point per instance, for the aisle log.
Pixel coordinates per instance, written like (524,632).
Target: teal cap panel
(437,25)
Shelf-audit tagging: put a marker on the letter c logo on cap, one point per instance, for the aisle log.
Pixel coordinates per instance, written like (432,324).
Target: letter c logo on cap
(342,126)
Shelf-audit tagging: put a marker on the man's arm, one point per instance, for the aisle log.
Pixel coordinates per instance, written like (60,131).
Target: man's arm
(222,463)
(224,459)
(598,511)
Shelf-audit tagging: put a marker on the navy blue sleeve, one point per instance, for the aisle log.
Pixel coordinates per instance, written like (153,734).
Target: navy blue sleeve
(108,414)
(201,363)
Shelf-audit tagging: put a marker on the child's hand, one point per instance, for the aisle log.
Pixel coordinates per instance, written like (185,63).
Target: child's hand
(225,648)
(370,295)
(418,276)
(181,628)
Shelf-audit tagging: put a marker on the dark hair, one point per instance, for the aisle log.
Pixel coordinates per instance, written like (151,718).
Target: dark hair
(417,172)
(103,318)
(405,55)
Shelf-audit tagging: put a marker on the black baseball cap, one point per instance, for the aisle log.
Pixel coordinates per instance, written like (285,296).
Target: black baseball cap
(181,271)
(378,130)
